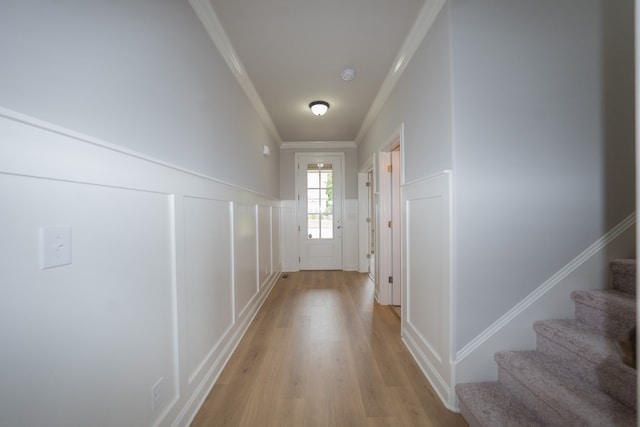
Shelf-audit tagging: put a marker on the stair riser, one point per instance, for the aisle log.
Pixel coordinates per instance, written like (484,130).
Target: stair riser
(625,283)
(468,416)
(611,377)
(623,266)
(544,412)
(611,324)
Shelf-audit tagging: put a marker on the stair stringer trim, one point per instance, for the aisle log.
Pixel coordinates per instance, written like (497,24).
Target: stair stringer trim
(514,331)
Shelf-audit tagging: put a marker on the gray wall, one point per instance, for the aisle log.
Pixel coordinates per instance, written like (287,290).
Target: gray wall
(287,170)
(531,105)
(140,74)
(422,101)
(543,166)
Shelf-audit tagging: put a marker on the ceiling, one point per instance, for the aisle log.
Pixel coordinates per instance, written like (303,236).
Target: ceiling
(287,53)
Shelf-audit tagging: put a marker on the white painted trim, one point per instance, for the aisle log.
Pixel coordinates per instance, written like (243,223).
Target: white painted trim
(545,287)
(384,241)
(191,408)
(35,149)
(334,145)
(298,191)
(418,31)
(432,353)
(363,228)
(77,136)
(440,386)
(289,234)
(214,28)
(383,255)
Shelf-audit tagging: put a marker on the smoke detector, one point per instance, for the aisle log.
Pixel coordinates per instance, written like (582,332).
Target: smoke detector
(348,74)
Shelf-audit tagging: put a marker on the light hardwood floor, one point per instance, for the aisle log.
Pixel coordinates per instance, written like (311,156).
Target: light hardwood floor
(321,353)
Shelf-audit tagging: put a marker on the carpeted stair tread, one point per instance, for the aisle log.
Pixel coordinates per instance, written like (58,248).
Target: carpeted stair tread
(490,404)
(610,311)
(557,396)
(592,356)
(580,338)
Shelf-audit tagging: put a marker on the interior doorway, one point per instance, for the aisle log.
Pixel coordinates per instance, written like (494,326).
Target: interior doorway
(389,254)
(371,227)
(396,229)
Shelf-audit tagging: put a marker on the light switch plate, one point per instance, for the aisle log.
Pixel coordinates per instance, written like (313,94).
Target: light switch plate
(55,246)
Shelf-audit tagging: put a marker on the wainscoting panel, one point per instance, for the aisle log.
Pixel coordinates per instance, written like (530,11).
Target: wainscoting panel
(424,273)
(84,342)
(208,278)
(426,323)
(276,252)
(264,244)
(162,285)
(289,222)
(350,235)
(245,249)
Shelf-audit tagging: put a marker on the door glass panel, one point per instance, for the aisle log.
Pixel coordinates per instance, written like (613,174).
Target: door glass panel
(319,201)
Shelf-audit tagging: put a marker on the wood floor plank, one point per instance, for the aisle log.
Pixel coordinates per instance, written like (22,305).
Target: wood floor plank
(322,353)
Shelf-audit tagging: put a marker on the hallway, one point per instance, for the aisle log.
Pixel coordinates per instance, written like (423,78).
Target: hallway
(320,352)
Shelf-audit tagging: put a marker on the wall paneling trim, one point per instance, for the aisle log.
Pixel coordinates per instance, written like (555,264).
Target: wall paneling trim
(168,269)
(427,328)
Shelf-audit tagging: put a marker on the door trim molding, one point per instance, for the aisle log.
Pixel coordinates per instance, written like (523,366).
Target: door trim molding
(297,156)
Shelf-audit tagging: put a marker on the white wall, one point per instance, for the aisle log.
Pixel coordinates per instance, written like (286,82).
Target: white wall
(422,101)
(530,105)
(168,269)
(142,74)
(532,154)
(121,120)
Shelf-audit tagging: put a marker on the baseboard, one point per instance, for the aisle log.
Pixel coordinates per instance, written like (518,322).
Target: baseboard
(193,405)
(443,390)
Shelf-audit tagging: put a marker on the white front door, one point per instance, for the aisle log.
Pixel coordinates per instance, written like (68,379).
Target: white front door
(319,187)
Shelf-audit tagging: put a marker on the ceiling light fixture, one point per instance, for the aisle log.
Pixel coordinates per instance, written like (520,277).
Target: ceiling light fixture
(319,108)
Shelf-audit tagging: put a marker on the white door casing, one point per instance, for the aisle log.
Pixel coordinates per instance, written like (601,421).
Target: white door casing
(396,221)
(320,189)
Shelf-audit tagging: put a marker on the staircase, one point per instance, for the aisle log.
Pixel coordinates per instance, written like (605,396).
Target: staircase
(575,376)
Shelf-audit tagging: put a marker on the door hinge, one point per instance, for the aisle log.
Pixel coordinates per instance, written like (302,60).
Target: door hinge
(368,219)
(390,279)
(368,184)
(389,224)
(368,256)
(389,168)
(298,260)
(298,228)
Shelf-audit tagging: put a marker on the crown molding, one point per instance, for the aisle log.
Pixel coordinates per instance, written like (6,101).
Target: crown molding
(214,28)
(421,26)
(418,31)
(319,144)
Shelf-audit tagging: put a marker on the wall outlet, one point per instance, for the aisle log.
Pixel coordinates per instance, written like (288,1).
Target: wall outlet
(156,394)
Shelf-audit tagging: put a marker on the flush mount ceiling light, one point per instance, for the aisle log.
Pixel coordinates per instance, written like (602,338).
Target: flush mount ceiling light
(319,108)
